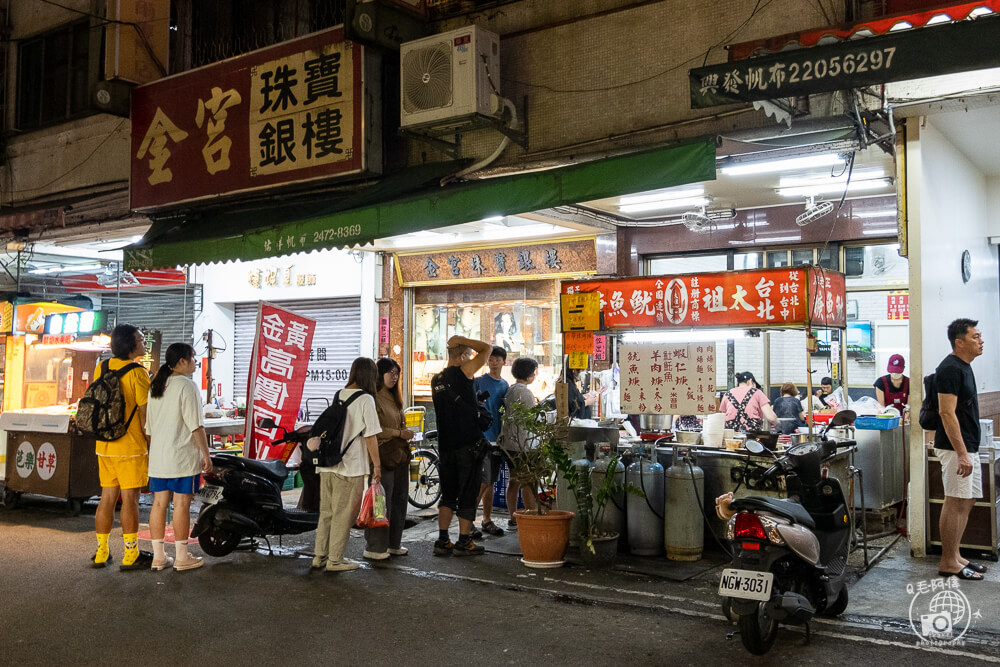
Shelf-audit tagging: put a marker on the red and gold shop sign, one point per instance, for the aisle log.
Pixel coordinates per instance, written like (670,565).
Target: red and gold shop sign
(898,305)
(524,261)
(288,113)
(760,298)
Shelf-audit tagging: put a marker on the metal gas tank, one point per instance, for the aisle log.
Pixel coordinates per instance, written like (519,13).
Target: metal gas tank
(613,519)
(645,515)
(684,525)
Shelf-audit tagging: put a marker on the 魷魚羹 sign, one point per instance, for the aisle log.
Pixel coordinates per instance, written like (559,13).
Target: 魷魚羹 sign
(751,299)
(290,112)
(668,379)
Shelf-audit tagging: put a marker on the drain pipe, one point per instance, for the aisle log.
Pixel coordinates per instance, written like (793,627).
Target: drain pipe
(489,160)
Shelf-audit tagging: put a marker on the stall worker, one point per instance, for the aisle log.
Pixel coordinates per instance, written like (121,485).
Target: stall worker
(893,390)
(746,406)
(788,408)
(825,389)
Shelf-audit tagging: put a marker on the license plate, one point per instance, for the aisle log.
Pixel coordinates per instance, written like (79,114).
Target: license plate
(746,584)
(210,494)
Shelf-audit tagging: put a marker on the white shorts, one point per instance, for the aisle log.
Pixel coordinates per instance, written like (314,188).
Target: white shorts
(956,486)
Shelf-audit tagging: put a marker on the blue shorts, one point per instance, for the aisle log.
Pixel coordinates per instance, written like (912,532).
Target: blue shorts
(188,485)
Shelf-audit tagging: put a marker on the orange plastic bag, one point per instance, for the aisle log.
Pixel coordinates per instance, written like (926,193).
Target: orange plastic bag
(373,510)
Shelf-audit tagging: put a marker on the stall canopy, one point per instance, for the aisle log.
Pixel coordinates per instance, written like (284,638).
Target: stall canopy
(408,202)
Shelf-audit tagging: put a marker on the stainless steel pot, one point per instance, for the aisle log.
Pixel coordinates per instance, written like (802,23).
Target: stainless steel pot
(799,438)
(655,422)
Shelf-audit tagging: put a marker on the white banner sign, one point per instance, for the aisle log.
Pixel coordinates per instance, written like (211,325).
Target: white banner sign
(668,379)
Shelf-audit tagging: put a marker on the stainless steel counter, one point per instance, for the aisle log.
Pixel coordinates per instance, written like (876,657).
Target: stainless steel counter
(881,456)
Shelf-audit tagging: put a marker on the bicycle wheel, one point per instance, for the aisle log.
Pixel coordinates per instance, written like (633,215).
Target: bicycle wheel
(425,490)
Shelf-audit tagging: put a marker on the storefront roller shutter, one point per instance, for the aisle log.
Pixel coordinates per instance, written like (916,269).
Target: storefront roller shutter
(336,344)
(171,311)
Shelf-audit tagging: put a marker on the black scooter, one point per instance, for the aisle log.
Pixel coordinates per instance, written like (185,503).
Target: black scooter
(242,499)
(789,555)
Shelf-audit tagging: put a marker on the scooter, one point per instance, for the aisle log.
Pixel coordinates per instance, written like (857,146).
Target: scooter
(789,555)
(242,499)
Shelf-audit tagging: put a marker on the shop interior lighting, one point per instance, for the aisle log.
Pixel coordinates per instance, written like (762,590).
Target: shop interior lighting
(664,200)
(789,164)
(885,213)
(902,25)
(938,18)
(798,186)
(980,11)
(683,336)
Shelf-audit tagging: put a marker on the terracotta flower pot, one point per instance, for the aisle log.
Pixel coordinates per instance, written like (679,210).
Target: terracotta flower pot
(543,537)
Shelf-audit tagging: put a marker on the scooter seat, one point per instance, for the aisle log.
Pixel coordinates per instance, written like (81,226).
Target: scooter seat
(780,506)
(272,469)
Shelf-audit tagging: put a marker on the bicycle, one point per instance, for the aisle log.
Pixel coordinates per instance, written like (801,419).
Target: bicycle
(425,481)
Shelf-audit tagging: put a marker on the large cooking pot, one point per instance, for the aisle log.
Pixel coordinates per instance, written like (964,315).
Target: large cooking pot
(687,437)
(655,422)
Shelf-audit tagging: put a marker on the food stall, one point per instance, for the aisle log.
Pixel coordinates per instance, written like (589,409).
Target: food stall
(668,367)
(48,364)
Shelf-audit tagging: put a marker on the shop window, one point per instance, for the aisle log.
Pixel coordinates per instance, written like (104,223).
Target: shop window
(524,324)
(53,79)
(800,257)
(746,260)
(672,266)
(777,259)
(829,257)
(876,265)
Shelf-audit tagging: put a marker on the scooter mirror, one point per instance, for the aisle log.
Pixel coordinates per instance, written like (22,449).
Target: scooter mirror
(754,447)
(843,418)
(267,422)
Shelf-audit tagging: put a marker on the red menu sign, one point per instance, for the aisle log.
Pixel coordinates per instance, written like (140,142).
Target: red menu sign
(274,387)
(287,113)
(759,298)
(899,305)
(600,347)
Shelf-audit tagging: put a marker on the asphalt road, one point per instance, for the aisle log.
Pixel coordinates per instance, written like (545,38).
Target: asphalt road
(414,610)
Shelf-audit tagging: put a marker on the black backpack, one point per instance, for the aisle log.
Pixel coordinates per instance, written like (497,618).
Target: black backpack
(930,419)
(329,428)
(101,410)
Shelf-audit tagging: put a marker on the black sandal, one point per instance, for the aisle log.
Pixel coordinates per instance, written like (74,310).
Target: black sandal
(976,567)
(94,564)
(492,528)
(966,573)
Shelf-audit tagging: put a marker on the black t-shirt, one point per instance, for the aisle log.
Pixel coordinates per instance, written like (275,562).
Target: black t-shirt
(954,376)
(455,407)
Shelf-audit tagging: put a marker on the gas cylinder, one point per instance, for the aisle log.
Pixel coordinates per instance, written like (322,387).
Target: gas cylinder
(613,519)
(645,514)
(684,525)
(565,500)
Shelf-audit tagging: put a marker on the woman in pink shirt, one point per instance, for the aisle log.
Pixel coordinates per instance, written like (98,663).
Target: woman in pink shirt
(746,406)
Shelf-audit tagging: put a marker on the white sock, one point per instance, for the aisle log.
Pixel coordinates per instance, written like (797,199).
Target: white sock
(182,550)
(158,554)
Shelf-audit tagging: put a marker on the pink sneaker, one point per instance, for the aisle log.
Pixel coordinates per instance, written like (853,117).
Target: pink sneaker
(191,563)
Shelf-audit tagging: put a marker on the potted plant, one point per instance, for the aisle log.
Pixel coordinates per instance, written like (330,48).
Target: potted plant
(543,533)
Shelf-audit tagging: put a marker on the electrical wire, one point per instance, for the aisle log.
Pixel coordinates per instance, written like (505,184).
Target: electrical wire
(80,164)
(758,8)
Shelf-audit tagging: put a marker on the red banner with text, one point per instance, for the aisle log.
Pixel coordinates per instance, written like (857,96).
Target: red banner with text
(277,375)
(757,298)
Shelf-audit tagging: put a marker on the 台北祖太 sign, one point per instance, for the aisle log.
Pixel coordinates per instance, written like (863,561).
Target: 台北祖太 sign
(291,112)
(752,299)
(909,54)
(525,261)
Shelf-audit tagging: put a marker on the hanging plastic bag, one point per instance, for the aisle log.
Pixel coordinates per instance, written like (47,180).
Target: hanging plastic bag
(373,511)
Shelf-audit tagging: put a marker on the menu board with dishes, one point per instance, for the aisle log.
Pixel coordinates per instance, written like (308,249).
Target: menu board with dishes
(668,379)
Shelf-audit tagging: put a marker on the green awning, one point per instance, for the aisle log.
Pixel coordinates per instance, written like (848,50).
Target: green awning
(409,202)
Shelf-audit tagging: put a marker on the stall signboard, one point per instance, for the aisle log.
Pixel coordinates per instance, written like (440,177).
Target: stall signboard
(6,317)
(383,331)
(600,347)
(524,261)
(751,299)
(668,378)
(577,360)
(30,317)
(579,341)
(276,379)
(580,311)
(898,304)
(287,113)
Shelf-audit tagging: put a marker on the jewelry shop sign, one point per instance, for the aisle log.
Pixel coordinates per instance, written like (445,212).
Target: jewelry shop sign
(525,261)
(288,113)
(916,53)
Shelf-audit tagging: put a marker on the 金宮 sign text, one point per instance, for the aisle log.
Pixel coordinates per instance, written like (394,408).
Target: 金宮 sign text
(286,113)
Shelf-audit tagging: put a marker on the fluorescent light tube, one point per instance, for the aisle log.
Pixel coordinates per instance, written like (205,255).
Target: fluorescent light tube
(683,336)
(806,162)
(663,195)
(665,204)
(833,188)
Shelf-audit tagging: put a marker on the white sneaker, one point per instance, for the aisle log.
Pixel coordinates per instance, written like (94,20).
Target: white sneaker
(376,555)
(342,566)
(191,563)
(401,551)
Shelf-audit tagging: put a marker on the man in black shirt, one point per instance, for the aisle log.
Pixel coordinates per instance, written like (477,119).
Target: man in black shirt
(956,443)
(460,462)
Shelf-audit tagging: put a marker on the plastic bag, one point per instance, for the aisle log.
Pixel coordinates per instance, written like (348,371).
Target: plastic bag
(373,511)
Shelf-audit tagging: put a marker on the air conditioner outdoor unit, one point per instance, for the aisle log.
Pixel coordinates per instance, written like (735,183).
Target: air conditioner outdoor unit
(449,78)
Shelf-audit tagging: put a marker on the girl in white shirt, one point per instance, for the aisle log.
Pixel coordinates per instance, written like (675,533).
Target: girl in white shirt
(178,453)
(342,485)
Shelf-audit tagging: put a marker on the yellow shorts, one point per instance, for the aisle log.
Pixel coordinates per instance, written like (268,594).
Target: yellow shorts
(126,472)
